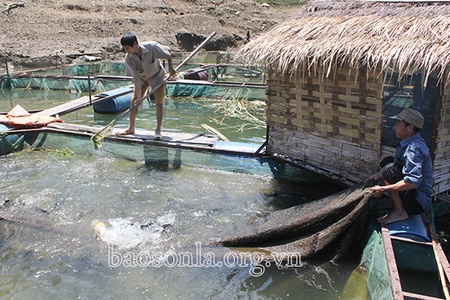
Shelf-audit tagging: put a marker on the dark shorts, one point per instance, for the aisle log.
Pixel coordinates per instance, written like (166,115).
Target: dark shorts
(392,174)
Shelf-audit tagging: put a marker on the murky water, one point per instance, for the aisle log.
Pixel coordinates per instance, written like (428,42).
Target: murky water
(134,222)
(153,214)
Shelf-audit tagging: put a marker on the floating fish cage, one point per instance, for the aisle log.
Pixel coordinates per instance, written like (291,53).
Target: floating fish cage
(105,76)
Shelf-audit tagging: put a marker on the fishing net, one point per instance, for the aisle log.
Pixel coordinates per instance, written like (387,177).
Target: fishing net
(329,225)
(72,85)
(60,79)
(180,89)
(187,90)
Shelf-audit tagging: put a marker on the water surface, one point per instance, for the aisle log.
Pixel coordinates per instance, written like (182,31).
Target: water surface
(85,224)
(152,208)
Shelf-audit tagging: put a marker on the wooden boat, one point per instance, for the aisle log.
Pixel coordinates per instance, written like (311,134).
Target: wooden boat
(9,143)
(403,260)
(19,118)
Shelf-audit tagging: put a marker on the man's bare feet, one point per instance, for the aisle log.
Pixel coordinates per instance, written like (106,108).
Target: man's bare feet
(158,136)
(125,132)
(392,217)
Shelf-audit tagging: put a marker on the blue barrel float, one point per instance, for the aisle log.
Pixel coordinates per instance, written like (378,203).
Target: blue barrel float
(9,142)
(120,100)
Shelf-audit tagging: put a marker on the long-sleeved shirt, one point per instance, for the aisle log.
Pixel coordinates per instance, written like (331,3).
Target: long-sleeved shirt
(414,157)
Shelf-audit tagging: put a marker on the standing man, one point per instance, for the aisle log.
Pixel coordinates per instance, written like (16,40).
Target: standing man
(143,64)
(409,178)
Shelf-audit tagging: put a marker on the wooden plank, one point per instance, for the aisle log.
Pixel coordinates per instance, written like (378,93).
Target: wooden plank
(442,187)
(174,137)
(143,135)
(407,240)
(79,103)
(444,197)
(441,259)
(60,109)
(394,276)
(412,296)
(175,140)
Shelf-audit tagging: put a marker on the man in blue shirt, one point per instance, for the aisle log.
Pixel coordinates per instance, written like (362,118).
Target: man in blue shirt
(409,178)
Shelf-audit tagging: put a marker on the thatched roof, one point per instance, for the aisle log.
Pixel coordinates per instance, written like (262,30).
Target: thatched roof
(408,36)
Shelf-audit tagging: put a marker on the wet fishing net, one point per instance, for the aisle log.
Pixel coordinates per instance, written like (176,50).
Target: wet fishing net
(71,84)
(226,91)
(331,226)
(72,78)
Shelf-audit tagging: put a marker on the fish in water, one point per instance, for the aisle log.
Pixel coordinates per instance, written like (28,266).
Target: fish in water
(100,228)
(126,233)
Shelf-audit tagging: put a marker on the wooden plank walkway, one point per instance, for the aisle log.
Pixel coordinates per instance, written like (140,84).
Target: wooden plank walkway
(76,104)
(178,140)
(66,107)
(141,136)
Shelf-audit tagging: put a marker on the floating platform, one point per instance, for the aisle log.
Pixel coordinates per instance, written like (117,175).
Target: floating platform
(179,140)
(141,136)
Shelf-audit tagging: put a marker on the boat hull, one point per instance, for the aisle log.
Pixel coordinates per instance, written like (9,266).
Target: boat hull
(413,255)
(10,143)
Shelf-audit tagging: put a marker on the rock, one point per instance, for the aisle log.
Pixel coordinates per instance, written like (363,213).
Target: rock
(189,41)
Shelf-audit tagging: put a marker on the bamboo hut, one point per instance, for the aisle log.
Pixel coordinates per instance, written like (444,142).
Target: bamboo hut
(340,69)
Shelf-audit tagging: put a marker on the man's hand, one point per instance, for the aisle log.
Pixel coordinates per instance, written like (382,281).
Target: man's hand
(378,190)
(136,104)
(172,72)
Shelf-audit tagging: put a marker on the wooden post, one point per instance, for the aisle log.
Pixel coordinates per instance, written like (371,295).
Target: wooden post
(89,87)
(442,263)
(8,77)
(394,277)
(6,67)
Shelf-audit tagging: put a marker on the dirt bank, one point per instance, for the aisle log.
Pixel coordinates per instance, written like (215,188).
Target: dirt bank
(35,32)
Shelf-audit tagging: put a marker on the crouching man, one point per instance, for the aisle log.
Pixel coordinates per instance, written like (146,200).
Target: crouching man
(408,179)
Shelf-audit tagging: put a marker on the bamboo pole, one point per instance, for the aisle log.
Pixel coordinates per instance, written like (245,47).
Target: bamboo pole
(443,278)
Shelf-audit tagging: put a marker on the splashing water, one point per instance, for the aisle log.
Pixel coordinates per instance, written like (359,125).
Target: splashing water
(127,233)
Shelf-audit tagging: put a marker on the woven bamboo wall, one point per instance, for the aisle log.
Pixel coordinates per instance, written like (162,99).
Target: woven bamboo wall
(332,124)
(442,152)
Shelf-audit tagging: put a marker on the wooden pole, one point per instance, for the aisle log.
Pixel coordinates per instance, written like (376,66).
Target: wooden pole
(443,278)
(8,77)
(6,67)
(89,87)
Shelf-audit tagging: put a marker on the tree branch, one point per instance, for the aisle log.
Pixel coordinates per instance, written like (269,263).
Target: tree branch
(12,6)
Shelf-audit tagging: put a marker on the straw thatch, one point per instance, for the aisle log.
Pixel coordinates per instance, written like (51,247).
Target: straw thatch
(408,37)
